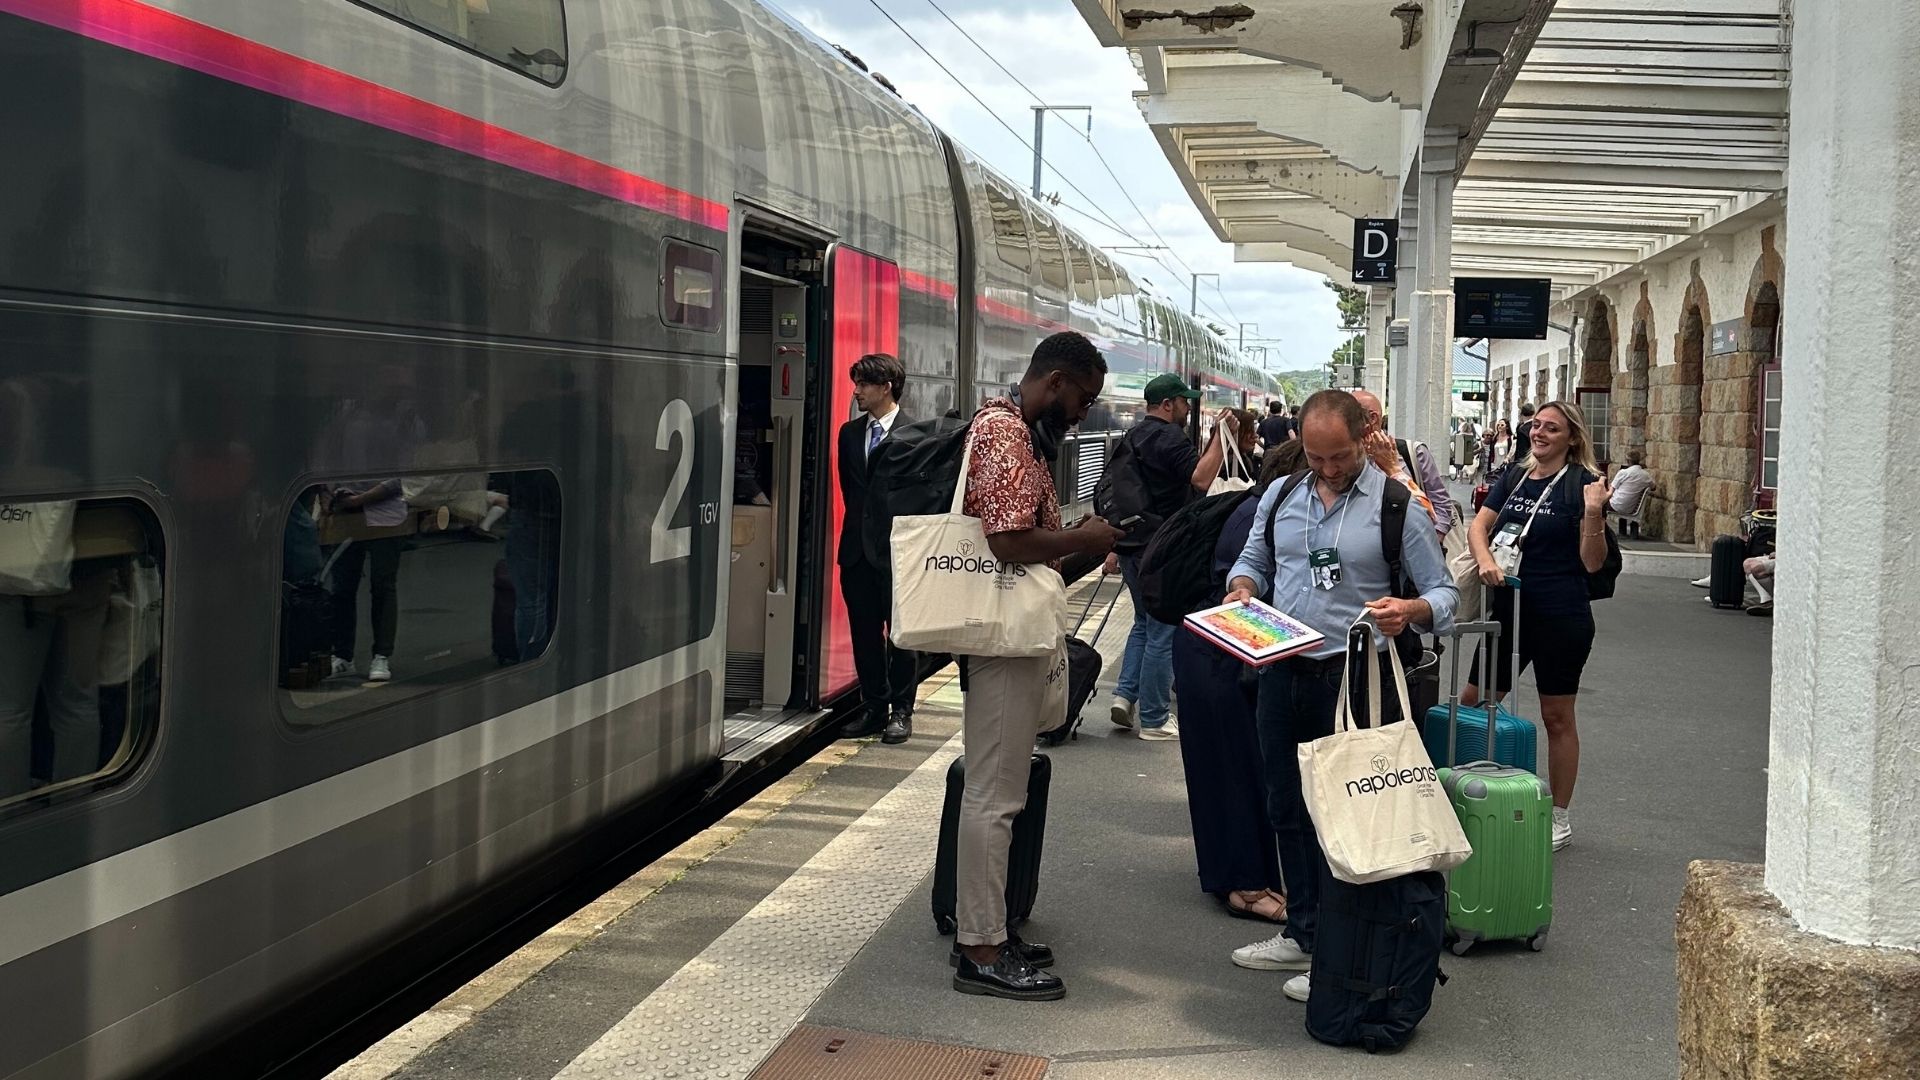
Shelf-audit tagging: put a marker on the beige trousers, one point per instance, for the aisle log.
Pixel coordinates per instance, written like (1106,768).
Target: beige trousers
(1009,701)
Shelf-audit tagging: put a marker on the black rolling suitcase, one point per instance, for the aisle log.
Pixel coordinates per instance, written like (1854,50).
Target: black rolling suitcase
(1023,861)
(1727,586)
(1083,669)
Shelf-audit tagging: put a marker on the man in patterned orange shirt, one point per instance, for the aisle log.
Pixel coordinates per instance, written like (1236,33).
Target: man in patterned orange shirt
(1010,700)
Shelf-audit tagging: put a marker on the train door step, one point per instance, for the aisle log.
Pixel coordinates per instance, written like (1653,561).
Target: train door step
(758,734)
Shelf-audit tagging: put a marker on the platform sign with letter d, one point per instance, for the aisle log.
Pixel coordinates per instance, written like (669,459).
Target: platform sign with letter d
(1376,250)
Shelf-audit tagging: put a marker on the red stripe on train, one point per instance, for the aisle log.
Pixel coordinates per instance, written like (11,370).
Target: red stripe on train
(177,40)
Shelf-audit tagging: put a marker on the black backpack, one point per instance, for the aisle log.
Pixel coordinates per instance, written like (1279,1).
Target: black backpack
(1122,494)
(1376,958)
(914,471)
(1176,571)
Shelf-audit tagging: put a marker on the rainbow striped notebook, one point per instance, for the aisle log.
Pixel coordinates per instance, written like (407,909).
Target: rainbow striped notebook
(1254,632)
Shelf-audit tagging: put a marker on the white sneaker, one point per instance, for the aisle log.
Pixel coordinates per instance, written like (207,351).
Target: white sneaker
(1277,953)
(1297,987)
(1167,732)
(340,667)
(1703,583)
(379,670)
(1121,713)
(1562,828)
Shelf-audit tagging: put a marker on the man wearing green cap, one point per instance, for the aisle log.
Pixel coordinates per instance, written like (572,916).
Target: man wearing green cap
(1171,473)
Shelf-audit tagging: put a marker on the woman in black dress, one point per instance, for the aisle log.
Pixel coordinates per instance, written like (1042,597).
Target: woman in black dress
(1220,748)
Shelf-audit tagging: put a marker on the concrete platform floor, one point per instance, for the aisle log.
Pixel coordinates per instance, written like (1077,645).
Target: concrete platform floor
(1674,724)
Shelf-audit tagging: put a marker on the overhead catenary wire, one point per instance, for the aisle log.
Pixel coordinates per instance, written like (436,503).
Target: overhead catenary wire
(1232,315)
(957,81)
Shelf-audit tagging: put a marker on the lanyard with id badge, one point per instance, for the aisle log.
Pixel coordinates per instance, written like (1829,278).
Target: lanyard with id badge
(1507,542)
(1323,564)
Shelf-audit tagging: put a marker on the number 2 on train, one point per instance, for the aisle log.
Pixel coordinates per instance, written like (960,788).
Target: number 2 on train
(670,542)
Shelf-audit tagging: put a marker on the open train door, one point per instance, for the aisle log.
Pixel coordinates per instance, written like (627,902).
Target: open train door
(863,306)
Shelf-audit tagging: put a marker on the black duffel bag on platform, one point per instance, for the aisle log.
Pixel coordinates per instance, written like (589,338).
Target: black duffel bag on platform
(1376,959)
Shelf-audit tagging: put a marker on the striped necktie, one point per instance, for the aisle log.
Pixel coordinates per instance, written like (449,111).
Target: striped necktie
(874,434)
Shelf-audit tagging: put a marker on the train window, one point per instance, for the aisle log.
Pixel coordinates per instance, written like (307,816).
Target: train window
(80,632)
(529,36)
(397,586)
(1085,289)
(690,287)
(1052,253)
(1010,232)
(1109,292)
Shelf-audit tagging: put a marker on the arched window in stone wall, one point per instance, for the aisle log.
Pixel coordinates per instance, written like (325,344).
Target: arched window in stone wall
(1673,425)
(1764,339)
(1594,393)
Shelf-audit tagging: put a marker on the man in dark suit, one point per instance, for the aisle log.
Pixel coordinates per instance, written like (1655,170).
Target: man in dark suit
(886,673)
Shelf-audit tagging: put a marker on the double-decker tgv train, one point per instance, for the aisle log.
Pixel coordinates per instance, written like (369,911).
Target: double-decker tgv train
(532,317)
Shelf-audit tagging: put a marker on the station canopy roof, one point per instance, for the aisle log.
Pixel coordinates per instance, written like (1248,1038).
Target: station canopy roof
(1594,133)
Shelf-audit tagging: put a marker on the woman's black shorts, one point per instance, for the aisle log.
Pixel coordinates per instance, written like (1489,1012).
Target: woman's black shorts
(1556,645)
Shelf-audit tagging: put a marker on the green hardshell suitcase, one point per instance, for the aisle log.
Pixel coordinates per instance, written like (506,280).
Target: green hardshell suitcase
(1504,891)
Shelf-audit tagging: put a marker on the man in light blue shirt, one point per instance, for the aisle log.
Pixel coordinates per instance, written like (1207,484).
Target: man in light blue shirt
(1321,560)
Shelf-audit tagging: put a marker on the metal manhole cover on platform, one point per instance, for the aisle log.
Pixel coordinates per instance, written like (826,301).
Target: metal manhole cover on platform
(818,1053)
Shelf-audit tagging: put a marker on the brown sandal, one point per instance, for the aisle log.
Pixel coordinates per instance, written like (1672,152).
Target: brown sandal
(1267,906)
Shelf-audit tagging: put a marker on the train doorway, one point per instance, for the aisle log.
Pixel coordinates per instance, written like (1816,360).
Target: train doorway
(774,581)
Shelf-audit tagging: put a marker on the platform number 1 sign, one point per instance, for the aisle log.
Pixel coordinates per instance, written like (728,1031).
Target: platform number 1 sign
(1376,250)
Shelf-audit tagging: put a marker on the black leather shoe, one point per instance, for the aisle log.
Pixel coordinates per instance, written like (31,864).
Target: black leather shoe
(1009,977)
(1040,956)
(864,726)
(898,730)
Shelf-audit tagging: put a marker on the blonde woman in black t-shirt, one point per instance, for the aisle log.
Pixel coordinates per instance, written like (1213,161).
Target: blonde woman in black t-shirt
(1552,505)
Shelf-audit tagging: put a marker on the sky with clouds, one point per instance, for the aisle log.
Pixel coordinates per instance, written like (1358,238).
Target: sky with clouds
(1052,50)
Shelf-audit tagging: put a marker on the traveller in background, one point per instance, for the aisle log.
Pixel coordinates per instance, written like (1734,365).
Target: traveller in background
(886,673)
(1173,473)
(1499,450)
(1410,463)
(1331,519)
(1565,543)
(1630,489)
(1274,429)
(1233,842)
(1245,429)
(1523,439)
(1759,571)
(1010,700)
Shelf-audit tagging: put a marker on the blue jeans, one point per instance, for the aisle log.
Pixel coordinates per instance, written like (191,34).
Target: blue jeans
(1146,671)
(1297,700)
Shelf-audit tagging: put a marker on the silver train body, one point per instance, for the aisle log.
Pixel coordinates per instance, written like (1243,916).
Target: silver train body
(602,265)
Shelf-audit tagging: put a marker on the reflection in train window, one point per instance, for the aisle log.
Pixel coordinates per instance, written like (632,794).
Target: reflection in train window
(1053,257)
(529,36)
(689,287)
(80,630)
(1084,288)
(1009,229)
(397,586)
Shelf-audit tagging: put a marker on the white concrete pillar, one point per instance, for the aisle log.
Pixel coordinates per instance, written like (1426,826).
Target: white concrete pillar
(1400,357)
(1379,314)
(1427,397)
(1843,849)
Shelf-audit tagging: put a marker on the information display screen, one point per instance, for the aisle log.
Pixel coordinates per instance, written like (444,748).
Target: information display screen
(1501,307)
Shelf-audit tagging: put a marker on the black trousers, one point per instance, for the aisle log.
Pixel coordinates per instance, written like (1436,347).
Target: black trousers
(384,594)
(886,673)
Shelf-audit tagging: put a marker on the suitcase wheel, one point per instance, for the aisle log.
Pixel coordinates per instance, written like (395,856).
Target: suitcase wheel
(1537,942)
(945,924)
(1459,946)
